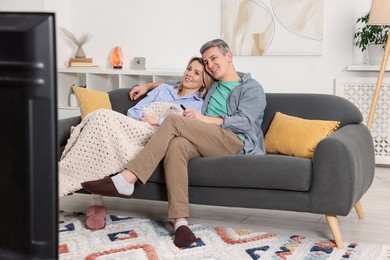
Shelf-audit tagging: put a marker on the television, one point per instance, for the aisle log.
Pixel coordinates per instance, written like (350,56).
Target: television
(28,136)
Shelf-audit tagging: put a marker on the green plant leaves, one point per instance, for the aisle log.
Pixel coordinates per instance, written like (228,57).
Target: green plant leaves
(370,34)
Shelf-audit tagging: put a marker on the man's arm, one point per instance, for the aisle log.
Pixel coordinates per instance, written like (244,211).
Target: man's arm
(250,107)
(140,90)
(213,120)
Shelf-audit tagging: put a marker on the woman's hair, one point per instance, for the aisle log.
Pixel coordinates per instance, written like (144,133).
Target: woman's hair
(207,79)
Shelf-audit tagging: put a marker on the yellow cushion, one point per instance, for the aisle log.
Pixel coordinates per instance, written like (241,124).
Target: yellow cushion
(296,136)
(91,100)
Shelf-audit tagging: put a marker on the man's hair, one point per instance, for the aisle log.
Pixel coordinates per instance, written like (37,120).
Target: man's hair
(221,44)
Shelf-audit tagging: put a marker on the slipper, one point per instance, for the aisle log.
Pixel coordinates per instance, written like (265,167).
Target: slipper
(95,217)
(184,237)
(104,187)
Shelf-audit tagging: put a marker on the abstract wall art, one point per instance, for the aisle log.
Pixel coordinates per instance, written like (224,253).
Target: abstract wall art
(273,27)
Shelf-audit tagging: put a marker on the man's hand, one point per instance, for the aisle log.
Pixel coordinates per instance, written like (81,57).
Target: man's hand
(138,91)
(192,113)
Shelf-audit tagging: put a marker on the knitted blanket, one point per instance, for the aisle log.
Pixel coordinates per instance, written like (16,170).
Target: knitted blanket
(103,143)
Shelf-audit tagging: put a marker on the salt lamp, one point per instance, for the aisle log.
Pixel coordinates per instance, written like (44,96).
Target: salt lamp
(116,58)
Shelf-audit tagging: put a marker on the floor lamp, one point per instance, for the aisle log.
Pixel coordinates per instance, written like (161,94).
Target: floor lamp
(379,15)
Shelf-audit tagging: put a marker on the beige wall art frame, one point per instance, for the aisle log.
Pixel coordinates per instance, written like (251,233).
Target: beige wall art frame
(273,27)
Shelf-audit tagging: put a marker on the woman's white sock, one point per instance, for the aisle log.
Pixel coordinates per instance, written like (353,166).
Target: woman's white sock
(122,186)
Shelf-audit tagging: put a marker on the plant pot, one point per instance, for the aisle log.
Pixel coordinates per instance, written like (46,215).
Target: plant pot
(375,53)
(80,53)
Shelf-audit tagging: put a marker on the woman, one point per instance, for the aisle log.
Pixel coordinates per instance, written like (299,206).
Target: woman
(104,140)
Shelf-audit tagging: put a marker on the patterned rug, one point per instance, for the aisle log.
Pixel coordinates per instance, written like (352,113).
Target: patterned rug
(133,238)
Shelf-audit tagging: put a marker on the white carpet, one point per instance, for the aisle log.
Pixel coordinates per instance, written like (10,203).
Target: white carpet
(133,238)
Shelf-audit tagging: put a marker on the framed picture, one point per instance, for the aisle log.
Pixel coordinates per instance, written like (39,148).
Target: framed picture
(273,27)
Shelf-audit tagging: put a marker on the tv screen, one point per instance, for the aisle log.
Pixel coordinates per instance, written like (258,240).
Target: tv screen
(28,136)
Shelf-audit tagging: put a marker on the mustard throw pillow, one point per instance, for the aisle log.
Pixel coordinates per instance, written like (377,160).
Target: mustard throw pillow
(91,100)
(296,136)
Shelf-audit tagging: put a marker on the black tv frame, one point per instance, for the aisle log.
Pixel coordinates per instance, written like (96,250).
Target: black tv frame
(28,136)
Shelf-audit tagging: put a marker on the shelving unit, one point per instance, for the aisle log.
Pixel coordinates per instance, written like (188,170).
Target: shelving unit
(104,79)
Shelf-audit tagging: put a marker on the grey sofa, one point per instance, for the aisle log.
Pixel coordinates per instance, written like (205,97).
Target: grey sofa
(332,183)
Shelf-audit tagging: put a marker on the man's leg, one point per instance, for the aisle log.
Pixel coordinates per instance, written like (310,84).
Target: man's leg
(209,140)
(179,152)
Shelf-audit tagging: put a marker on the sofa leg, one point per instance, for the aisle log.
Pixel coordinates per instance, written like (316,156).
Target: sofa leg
(335,229)
(359,210)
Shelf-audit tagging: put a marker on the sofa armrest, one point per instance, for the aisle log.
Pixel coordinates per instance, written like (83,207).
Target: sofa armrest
(64,126)
(343,170)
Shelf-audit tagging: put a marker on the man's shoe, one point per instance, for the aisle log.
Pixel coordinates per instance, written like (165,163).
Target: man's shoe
(184,237)
(104,187)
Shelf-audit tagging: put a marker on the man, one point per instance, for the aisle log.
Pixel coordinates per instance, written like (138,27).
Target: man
(230,123)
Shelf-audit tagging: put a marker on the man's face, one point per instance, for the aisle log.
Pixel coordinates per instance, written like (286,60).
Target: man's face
(216,63)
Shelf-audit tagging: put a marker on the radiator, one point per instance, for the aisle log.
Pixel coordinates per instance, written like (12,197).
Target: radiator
(359,90)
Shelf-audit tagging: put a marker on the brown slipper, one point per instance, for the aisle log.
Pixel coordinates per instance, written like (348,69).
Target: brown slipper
(104,187)
(184,237)
(95,217)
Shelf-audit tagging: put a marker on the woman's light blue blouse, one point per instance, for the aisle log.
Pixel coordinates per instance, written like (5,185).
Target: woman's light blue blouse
(166,93)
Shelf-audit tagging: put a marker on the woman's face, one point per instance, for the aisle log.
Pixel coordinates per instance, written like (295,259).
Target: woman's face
(193,75)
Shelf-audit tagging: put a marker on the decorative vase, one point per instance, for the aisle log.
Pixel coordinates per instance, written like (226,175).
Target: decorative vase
(80,53)
(375,53)
(73,100)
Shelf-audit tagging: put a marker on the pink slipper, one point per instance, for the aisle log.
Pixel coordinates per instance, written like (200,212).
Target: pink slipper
(95,217)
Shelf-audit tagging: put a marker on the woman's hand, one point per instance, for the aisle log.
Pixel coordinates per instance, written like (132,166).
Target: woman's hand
(151,120)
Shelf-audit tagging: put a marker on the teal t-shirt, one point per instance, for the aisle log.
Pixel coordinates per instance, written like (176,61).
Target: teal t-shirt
(217,105)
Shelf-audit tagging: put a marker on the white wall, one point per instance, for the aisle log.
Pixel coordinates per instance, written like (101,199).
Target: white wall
(169,32)
(22,5)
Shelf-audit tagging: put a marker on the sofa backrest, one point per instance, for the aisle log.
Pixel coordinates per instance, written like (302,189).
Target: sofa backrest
(311,106)
(120,100)
(308,106)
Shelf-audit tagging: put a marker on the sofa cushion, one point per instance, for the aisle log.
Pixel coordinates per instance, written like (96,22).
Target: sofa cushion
(91,100)
(274,172)
(296,136)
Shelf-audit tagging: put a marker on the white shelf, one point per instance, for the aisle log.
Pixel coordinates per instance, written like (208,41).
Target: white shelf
(105,79)
(366,67)
(163,72)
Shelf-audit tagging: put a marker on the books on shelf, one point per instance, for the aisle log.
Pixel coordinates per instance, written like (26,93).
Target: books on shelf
(78,63)
(84,67)
(80,59)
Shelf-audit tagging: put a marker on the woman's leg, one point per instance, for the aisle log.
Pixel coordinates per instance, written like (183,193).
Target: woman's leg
(96,214)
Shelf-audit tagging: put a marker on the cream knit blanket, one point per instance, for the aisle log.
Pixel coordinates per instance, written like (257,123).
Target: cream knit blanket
(103,143)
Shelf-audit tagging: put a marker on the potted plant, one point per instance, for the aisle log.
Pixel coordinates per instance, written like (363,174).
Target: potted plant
(371,38)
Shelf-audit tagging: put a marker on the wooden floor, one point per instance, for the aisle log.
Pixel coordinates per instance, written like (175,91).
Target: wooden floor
(374,229)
